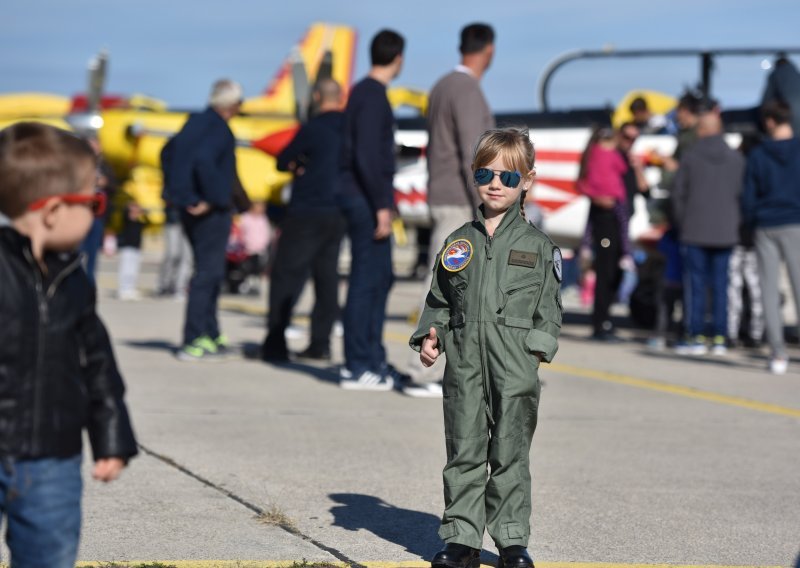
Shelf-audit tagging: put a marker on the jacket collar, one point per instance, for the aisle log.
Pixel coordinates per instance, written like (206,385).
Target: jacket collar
(19,245)
(511,217)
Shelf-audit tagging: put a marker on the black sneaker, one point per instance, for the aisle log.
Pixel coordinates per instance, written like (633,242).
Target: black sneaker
(314,354)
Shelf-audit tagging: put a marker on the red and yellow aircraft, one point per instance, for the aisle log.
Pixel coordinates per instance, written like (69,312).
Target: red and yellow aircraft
(133,130)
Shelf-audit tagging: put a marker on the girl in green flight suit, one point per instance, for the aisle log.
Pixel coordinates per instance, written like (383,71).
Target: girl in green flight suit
(494,309)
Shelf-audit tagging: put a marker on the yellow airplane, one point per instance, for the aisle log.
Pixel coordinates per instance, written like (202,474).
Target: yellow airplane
(132,138)
(132,131)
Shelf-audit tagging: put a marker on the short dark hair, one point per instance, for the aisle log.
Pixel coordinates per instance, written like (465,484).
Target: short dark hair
(638,104)
(36,161)
(777,111)
(474,37)
(385,47)
(690,102)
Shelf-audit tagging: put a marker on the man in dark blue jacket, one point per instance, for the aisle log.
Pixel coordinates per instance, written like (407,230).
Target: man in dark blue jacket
(199,167)
(311,231)
(367,197)
(771,205)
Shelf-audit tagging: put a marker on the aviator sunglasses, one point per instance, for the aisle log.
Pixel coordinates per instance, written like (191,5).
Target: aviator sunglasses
(96,202)
(508,179)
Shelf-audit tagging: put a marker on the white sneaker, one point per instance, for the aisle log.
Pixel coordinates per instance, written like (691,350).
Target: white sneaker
(295,332)
(129,295)
(424,390)
(778,366)
(719,350)
(368,381)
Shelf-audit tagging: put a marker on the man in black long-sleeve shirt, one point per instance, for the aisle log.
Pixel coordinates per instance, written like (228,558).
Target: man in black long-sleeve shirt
(367,200)
(199,167)
(311,231)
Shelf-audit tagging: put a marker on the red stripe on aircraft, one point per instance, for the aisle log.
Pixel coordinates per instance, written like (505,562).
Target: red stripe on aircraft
(558,155)
(562,184)
(274,143)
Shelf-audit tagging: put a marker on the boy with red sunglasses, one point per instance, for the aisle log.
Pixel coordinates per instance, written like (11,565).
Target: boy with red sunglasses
(57,370)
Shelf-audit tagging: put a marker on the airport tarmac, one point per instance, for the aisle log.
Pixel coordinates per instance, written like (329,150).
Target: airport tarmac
(639,458)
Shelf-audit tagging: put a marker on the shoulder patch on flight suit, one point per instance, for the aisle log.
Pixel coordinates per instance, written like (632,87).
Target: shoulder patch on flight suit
(522,258)
(557,263)
(456,255)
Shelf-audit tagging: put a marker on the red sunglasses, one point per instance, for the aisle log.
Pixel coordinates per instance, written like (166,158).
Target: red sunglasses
(96,202)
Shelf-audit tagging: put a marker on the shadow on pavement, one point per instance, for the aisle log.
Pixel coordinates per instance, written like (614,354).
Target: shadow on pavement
(153,345)
(252,352)
(413,530)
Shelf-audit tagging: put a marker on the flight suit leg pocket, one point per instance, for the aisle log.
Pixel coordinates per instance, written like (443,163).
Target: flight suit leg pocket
(448,530)
(513,530)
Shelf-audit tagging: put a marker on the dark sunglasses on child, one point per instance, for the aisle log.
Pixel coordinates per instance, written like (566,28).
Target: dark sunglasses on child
(484,176)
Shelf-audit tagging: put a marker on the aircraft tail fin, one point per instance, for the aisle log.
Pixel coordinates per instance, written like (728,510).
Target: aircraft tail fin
(287,90)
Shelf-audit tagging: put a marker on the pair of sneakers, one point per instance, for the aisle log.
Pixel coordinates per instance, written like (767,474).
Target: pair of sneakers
(205,348)
(698,346)
(386,380)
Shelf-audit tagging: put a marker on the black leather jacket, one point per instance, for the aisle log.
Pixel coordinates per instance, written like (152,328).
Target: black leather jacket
(57,370)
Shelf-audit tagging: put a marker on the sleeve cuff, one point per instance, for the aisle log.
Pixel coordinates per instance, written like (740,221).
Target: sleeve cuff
(415,341)
(540,342)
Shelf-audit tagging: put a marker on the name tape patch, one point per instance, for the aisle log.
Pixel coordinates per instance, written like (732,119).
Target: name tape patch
(522,258)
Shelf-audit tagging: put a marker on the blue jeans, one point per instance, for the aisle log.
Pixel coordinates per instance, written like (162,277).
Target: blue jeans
(706,268)
(208,236)
(371,278)
(41,500)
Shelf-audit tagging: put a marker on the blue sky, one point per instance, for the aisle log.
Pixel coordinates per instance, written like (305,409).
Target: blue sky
(173,49)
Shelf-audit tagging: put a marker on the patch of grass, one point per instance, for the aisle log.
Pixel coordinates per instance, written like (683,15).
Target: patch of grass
(275,517)
(306,564)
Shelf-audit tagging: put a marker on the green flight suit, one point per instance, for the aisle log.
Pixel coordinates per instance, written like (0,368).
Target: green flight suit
(494,318)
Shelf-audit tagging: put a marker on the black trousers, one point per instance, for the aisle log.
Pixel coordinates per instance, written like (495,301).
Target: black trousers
(607,253)
(307,245)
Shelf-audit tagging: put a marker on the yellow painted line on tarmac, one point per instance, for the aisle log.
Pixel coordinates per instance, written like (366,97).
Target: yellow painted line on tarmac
(679,390)
(649,384)
(246,308)
(654,385)
(407,564)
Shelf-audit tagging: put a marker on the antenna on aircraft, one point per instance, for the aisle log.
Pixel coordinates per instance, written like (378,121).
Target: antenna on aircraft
(98,67)
(302,90)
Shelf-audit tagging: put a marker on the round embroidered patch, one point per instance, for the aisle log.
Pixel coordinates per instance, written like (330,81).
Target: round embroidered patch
(456,255)
(557,263)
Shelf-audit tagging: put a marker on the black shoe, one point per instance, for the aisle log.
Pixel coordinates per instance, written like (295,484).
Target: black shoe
(605,337)
(515,557)
(457,556)
(315,354)
(273,354)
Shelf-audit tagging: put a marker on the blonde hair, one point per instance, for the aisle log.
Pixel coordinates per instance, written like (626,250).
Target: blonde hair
(513,145)
(36,161)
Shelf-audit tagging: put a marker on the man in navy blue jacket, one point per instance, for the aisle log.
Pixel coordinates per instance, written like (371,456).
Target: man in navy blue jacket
(199,165)
(367,198)
(311,231)
(771,205)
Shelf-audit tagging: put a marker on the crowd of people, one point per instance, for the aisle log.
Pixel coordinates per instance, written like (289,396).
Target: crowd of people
(732,218)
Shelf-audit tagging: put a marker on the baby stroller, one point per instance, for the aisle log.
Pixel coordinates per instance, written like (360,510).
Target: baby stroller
(243,271)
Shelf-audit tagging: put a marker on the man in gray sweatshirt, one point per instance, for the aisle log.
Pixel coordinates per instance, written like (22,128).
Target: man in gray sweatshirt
(705,199)
(457,115)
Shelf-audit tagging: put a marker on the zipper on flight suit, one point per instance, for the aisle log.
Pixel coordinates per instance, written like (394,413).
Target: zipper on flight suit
(487,393)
